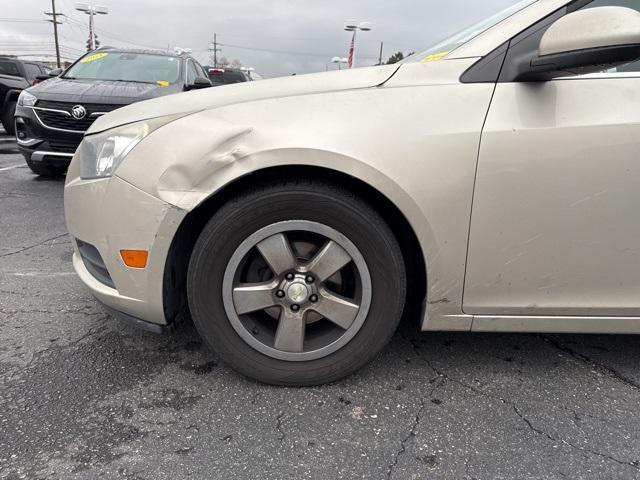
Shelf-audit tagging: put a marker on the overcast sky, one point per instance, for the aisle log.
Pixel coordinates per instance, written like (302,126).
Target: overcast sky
(279,36)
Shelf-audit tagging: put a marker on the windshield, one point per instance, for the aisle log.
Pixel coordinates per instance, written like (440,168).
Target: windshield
(128,67)
(443,48)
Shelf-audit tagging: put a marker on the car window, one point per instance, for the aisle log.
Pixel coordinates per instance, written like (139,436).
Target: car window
(8,67)
(201,71)
(635,5)
(32,71)
(192,72)
(220,76)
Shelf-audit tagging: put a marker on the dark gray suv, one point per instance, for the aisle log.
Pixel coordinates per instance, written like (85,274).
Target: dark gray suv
(51,117)
(15,76)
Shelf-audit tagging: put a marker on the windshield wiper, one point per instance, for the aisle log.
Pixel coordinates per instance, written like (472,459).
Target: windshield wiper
(109,80)
(132,81)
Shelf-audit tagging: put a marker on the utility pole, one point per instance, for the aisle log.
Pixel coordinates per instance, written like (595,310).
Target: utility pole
(380,58)
(215,50)
(54,20)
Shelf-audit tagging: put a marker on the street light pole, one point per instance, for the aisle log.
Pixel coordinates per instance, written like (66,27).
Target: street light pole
(352,49)
(92,11)
(354,26)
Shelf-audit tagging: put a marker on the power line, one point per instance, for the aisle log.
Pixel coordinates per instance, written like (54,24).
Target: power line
(42,48)
(19,20)
(108,34)
(283,52)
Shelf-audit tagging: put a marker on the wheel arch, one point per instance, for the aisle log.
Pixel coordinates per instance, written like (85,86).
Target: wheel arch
(10,96)
(175,272)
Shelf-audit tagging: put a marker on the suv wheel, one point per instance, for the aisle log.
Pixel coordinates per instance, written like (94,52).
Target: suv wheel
(7,117)
(296,284)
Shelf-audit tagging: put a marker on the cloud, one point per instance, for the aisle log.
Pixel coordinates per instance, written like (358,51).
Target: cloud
(276,37)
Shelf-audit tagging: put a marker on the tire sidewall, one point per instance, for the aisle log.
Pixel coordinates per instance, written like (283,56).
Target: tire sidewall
(241,218)
(7,117)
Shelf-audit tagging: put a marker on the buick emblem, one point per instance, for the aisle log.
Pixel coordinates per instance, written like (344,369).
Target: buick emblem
(78,112)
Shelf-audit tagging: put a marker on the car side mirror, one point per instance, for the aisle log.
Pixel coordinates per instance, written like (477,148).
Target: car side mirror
(587,41)
(55,72)
(199,82)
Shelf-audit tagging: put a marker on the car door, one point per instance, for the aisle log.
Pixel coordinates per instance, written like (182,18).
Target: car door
(554,228)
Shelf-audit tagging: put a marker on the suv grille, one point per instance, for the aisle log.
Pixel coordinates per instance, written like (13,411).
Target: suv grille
(63,146)
(56,119)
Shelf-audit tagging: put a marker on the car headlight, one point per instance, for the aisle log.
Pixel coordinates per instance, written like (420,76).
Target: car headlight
(103,152)
(26,99)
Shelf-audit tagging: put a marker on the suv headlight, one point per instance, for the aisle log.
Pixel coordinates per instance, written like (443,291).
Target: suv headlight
(103,152)
(26,99)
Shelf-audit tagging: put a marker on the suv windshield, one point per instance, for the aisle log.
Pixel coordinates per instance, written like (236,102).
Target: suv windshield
(128,67)
(443,48)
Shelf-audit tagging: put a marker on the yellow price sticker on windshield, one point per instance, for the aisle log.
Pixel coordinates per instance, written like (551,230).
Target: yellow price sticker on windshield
(162,83)
(434,57)
(95,56)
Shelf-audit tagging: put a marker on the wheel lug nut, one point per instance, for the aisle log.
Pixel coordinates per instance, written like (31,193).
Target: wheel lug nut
(313,298)
(289,276)
(280,294)
(295,308)
(310,279)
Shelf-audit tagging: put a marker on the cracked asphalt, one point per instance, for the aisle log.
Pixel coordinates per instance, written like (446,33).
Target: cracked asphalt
(85,397)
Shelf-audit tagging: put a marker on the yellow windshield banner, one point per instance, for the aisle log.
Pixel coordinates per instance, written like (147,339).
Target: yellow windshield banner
(162,83)
(95,56)
(434,57)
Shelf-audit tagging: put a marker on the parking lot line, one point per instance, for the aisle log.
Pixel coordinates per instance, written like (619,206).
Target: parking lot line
(11,167)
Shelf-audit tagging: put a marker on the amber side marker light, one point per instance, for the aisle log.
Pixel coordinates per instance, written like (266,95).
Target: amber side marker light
(134,258)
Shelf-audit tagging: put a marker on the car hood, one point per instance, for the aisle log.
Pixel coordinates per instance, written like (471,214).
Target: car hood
(98,91)
(208,98)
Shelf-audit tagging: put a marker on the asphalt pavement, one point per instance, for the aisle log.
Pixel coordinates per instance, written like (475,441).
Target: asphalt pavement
(85,397)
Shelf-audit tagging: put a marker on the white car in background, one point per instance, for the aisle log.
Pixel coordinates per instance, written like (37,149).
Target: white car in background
(492,179)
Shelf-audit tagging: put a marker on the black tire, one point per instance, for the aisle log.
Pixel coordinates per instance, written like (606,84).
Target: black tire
(45,170)
(296,200)
(7,117)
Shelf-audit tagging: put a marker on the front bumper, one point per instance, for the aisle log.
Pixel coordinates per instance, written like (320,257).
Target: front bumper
(111,215)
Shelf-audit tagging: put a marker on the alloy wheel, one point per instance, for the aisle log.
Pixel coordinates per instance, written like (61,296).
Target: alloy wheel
(297,290)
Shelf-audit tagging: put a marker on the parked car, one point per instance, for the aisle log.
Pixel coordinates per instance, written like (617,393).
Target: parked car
(52,117)
(15,76)
(227,76)
(492,180)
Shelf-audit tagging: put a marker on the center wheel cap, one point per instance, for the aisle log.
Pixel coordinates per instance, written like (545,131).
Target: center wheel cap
(297,292)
